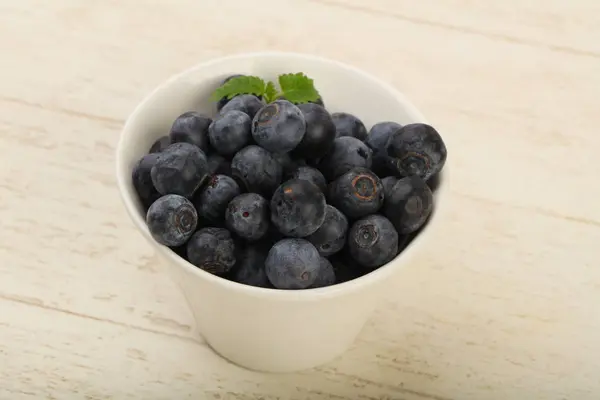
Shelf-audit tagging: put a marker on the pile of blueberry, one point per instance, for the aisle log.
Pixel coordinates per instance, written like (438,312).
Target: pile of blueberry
(287,196)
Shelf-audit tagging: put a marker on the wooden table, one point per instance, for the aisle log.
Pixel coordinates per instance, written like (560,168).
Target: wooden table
(506,308)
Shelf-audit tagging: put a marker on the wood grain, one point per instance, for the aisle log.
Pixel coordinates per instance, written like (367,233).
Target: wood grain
(554,24)
(504,308)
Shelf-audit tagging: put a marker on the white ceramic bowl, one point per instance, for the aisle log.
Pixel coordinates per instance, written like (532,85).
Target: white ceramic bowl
(267,329)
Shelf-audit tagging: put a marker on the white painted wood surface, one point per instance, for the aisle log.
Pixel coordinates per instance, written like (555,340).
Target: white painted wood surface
(507,307)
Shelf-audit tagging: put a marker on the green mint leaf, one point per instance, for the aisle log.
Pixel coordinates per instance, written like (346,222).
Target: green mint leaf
(298,88)
(271,92)
(240,85)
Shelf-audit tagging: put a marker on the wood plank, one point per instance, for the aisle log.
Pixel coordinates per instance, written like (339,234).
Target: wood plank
(80,358)
(502,308)
(66,241)
(554,24)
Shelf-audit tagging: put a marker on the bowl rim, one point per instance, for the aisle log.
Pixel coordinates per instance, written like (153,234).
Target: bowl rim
(313,294)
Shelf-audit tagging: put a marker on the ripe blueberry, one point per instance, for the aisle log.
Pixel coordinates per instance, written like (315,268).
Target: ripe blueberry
(320,132)
(211,201)
(250,270)
(331,235)
(388,183)
(160,144)
(416,149)
(247,215)
(319,101)
(181,169)
(279,126)
(292,264)
(218,165)
(345,268)
(230,132)
(297,208)
(357,193)
(312,175)
(347,153)
(434,182)
(171,220)
(191,127)
(271,237)
(377,140)
(288,164)
(212,250)
(326,276)
(409,204)
(224,100)
(246,103)
(373,241)
(256,170)
(142,180)
(349,125)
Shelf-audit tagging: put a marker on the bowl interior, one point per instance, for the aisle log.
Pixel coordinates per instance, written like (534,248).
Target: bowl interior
(342,87)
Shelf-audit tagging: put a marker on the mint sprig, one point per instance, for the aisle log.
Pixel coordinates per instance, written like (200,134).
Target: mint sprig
(270,93)
(296,88)
(240,85)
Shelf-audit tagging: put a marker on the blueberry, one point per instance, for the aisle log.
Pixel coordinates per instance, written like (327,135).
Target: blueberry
(345,268)
(191,127)
(326,276)
(256,170)
(312,175)
(202,223)
(357,193)
(288,164)
(347,153)
(292,264)
(331,235)
(388,183)
(434,181)
(377,140)
(247,215)
(225,100)
(320,132)
(218,165)
(279,126)
(268,240)
(416,149)
(230,132)
(373,241)
(246,103)
(319,101)
(409,204)
(160,144)
(404,240)
(349,125)
(230,77)
(171,220)
(212,250)
(211,201)
(297,208)
(250,270)
(142,179)
(273,236)
(181,169)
